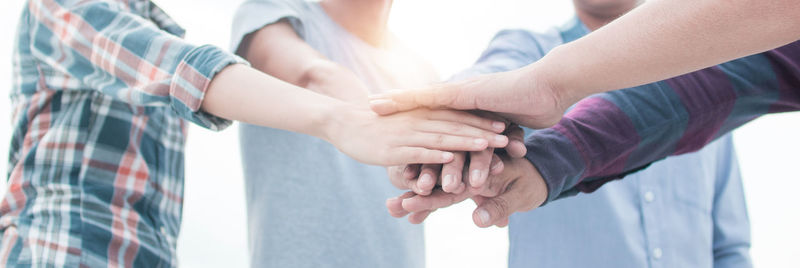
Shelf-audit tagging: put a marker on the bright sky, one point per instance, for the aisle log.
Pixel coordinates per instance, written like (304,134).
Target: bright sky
(451,34)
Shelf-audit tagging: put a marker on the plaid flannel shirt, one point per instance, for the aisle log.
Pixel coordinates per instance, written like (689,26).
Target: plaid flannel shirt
(100,94)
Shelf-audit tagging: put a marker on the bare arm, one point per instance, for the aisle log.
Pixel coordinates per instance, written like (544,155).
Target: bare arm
(278,51)
(421,136)
(666,38)
(658,40)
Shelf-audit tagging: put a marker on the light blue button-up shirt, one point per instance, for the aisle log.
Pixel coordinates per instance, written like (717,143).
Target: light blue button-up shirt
(685,211)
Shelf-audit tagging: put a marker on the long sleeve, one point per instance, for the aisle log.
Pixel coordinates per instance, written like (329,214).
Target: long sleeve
(509,50)
(731,224)
(112,48)
(609,135)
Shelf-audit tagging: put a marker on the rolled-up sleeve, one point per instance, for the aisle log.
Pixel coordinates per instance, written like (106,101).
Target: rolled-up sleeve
(120,53)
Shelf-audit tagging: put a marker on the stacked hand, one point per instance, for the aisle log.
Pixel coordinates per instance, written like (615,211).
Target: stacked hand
(520,96)
(513,185)
(499,183)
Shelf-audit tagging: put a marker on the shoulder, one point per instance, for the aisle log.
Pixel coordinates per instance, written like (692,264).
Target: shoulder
(253,15)
(539,42)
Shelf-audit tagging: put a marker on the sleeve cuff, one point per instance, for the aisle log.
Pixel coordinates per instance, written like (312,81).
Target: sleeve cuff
(191,80)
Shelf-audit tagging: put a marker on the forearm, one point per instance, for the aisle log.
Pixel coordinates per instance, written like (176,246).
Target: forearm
(278,51)
(245,94)
(612,134)
(662,39)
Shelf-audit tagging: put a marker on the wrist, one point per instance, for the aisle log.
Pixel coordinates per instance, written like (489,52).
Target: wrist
(328,121)
(556,79)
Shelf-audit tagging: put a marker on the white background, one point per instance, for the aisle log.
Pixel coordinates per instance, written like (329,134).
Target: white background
(451,34)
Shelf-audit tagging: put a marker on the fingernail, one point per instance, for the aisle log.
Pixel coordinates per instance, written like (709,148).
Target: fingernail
(426,179)
(500,139)
(448,179)
(447,156)
(474,177)
(499,126)
(480,141)
(483,215)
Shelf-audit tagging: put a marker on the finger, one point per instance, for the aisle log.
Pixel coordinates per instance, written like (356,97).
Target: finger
(427,179)
(494,210)
(497,166)
(411,171)
(445,142)
(395,205)
(470,119)
(451,174)
(462,130)
(436,200)
(437,96)
(502,223)
(479,164)
(397,177)
(419,217)
(516,142)
(406,155)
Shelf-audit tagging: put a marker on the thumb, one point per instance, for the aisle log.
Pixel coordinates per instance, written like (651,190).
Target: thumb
(435,97)
(492,210)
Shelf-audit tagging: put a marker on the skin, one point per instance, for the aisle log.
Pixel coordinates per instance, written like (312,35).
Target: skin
(281,92)
(595,14)
(672,38)
(505,192)
(422,136)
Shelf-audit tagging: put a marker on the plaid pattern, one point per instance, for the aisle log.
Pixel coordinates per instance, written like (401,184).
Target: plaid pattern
(100,94)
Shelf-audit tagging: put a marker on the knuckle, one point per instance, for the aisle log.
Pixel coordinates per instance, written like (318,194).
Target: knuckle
(439,139)
(501,206)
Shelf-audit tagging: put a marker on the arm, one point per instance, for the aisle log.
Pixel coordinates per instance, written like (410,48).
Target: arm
(128,58)
(731,223)
(278,51)
(609,135)
(670,37)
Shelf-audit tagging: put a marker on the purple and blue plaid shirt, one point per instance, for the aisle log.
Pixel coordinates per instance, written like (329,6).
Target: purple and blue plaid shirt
(608,135)
(101,92)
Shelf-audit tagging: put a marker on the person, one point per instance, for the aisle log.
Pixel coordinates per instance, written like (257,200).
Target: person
(603,138)
(686,211)
(101,95)
(308,204)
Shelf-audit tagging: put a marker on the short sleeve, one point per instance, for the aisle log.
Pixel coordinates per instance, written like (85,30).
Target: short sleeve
(253,15)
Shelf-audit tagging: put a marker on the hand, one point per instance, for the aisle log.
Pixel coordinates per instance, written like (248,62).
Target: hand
(518,188)
(418,136)
(517,95)
(421,179)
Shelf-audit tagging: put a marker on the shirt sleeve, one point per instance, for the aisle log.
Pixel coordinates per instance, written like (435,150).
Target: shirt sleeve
(607,136)
(125,56)
(731,244)
(508,50)
(253,15)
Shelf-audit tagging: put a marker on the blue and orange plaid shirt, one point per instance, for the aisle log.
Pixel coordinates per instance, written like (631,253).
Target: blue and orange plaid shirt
(101,92)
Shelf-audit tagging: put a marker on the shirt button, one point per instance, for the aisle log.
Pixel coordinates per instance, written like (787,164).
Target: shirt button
(649,196)
(163,230)
(657,253)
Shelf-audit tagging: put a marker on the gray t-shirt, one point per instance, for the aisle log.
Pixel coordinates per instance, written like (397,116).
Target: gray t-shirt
(309,205)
